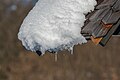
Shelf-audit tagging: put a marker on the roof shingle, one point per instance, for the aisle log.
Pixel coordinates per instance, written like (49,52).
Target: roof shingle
(103,21)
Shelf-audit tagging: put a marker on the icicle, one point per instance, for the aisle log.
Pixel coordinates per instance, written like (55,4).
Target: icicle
(43,51)
(56,57)
(71,50)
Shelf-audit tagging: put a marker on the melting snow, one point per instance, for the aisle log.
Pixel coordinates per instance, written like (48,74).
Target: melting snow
(54,25)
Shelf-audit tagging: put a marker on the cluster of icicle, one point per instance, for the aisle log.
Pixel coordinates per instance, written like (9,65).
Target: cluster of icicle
(55,25)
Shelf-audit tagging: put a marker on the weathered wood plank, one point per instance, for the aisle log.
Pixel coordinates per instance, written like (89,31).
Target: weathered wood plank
(110,33)
(99,14)
(106,3)
(111,18)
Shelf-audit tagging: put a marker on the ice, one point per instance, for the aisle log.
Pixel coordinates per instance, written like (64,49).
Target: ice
(55,25)
(71,49)
(56,57)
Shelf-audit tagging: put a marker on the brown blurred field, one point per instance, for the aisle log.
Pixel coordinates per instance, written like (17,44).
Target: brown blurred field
(89,62)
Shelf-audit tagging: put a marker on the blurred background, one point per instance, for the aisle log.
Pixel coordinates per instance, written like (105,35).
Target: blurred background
(89,62)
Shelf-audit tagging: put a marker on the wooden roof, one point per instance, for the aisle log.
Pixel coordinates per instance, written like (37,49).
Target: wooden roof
(103,22)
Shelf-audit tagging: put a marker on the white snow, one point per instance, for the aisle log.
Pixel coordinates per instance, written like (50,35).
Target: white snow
(54,25)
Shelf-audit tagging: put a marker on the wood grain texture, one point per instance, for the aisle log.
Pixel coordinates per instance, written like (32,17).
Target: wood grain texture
(105,17)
